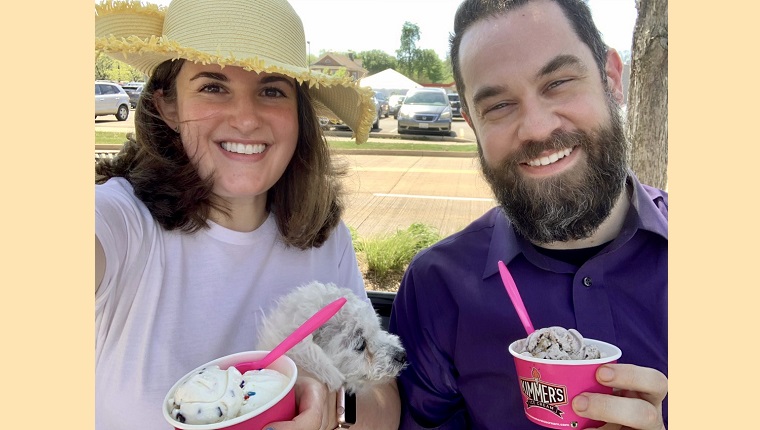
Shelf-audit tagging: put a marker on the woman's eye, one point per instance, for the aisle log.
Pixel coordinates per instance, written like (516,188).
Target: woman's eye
(361,346)
(273,92)
(212,88)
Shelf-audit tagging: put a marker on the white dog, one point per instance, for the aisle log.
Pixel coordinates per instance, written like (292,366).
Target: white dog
(351,349)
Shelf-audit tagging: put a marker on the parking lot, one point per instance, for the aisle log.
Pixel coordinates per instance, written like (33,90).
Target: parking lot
(388,126)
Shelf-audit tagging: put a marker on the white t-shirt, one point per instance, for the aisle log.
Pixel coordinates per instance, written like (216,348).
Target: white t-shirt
(171,301)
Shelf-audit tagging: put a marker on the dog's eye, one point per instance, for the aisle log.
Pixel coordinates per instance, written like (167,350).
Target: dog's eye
(361,346)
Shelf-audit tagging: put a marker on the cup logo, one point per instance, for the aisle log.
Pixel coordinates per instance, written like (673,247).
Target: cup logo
(542,394)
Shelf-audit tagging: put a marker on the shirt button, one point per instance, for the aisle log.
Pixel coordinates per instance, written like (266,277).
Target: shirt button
(587,281)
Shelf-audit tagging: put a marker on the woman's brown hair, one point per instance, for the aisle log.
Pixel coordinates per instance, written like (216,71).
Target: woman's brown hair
(306,200)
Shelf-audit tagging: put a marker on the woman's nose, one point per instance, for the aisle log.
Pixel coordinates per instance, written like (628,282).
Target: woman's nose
(245,114)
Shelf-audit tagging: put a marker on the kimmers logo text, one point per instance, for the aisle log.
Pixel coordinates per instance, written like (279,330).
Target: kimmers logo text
(542,394)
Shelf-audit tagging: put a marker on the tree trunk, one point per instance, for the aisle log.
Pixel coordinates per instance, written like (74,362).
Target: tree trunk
(647,121)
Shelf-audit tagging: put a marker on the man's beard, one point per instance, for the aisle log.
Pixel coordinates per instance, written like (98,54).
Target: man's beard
(571,205)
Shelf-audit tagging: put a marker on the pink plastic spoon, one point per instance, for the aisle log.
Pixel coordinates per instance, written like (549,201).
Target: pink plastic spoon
(514,295)
(298,335)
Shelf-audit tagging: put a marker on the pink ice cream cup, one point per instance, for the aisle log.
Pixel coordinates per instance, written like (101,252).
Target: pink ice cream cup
(549,386)
(280,408)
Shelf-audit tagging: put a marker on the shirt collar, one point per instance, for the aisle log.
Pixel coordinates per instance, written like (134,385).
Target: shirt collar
(649,207)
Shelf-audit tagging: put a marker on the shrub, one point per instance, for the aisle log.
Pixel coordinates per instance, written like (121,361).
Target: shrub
(386,258)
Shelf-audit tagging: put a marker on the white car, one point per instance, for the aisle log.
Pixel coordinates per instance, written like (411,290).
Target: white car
(111,99)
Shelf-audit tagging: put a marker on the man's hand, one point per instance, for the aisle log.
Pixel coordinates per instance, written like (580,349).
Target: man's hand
(316,407)
(636,404)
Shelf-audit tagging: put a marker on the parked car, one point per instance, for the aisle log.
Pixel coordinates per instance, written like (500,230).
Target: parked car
(337,124)
(384,107)
(425,110)
(394,103)
(111,99)
(133,90)
(378,113)
(456,107)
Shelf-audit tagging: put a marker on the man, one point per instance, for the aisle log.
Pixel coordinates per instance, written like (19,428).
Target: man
(585,241)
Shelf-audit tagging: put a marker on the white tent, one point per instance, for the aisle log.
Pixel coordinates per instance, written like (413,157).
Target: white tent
(389,82)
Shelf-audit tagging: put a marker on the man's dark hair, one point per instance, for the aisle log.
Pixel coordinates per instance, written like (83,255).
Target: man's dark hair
(473,11)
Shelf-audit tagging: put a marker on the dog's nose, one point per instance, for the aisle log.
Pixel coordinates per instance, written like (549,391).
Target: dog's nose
(400,357)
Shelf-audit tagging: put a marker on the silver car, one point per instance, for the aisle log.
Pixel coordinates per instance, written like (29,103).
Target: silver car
(133,90)
(394,104)
(425,110)
(111,99)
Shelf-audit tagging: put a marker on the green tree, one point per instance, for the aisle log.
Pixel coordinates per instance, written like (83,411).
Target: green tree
(407,53)
(107,68)
(428,66)
(103,64)
(448,72)
(377,61)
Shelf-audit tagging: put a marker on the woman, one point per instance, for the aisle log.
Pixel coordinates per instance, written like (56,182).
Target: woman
(224,200)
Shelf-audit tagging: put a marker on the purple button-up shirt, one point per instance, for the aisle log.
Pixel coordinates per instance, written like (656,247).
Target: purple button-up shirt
(456,321)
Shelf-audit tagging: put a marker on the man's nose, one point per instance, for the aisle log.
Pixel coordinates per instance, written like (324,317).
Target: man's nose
(538,121)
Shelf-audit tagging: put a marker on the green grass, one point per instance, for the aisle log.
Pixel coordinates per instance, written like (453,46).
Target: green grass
(110,138)
(117,138)
(386,257)
(390,144)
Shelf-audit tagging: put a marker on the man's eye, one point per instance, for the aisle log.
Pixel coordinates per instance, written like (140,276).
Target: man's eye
(361,346)
(496,107)
(555,84)
(497,111)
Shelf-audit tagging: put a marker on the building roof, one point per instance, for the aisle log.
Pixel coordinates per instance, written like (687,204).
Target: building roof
(332,62)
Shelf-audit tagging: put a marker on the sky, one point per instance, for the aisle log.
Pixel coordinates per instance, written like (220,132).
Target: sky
(363,25)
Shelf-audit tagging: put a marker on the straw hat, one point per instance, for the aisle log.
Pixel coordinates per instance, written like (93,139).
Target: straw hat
(258,35)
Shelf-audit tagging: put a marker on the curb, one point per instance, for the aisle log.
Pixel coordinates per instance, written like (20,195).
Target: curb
(401,152)
(410,153)
(395,136)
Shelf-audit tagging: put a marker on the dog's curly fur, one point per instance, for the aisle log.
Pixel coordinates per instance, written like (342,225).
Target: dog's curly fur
(351,349)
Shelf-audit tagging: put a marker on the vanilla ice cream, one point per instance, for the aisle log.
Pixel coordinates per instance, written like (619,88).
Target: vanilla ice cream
(557,343)
(208,396)
(261,386)
(213,395)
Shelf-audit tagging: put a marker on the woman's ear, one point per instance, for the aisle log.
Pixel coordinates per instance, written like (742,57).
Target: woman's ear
(167,110)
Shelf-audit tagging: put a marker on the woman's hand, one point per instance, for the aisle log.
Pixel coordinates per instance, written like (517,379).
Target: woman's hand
(636,404)
(316,407)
